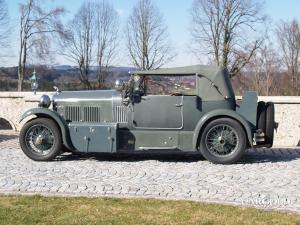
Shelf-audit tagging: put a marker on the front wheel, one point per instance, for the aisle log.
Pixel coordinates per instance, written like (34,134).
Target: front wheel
(40,139)
(223,141)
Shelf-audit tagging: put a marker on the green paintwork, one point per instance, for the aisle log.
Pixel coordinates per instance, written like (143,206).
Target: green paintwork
(248,107)
(168,116)
(44,112)
(224,113)
(100,121)
(94,137)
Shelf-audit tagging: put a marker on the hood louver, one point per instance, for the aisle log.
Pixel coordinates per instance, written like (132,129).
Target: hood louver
(92,114)
(88,114)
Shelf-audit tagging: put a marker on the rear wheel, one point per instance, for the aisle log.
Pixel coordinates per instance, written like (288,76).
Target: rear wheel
(270,124)
(266,123)
(261,118)
(223,141)
(40,139)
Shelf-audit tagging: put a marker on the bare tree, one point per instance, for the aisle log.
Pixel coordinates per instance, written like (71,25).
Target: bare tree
(106,28)
(219,29)
(288,34)
(267,65)
(4,21)
(79,43)
(253,70)
(148,42)
(36,24)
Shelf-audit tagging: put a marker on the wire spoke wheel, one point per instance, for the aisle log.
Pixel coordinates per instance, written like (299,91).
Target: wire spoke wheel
(222,140)
(39,139)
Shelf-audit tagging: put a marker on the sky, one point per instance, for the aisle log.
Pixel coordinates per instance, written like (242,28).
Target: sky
(176,14)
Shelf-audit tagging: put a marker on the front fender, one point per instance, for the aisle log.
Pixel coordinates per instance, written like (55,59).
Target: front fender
(219,113)
(45,112)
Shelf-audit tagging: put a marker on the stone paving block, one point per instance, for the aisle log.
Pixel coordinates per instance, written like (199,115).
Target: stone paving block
(264,178)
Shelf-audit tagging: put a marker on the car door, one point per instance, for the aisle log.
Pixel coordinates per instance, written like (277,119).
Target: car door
(158,112)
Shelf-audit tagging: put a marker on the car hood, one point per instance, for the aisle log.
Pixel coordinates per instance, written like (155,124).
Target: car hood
(98,95)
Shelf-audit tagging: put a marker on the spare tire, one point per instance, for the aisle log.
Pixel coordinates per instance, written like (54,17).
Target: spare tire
(270,124)
(261,118)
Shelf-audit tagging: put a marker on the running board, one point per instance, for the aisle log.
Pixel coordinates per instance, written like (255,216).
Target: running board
(157,148)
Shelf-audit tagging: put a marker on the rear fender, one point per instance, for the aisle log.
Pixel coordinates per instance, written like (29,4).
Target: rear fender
(221,113)
(47,113)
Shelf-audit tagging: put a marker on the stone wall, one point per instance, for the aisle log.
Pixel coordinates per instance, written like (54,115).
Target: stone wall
(13,104)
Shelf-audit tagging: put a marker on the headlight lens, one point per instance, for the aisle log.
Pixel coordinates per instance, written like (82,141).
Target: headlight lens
(45,101)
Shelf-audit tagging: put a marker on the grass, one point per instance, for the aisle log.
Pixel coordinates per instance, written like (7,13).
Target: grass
(60,210)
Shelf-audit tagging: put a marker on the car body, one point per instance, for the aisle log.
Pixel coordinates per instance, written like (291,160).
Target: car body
(206,119)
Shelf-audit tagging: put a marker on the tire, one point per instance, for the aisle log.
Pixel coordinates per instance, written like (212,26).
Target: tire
(261,119)
(270,124)
(40,139)
(215,151)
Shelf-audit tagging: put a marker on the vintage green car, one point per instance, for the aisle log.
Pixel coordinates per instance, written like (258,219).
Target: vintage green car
(183,109)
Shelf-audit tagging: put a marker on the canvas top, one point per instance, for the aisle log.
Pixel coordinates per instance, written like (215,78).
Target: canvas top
(213,81)
(205,70)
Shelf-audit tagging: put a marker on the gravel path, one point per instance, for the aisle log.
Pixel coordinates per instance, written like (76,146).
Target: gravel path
(268,179)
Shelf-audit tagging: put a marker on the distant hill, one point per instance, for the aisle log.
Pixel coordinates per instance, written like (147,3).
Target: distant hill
(57,75)
(66,77)
(54,72)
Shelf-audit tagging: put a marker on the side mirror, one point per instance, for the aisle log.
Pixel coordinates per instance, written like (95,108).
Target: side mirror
(119,85)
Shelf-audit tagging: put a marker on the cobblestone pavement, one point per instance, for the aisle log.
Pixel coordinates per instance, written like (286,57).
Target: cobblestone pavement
(264,178)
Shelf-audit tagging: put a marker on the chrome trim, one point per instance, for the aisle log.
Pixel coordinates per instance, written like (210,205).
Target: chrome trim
(156,148)
(260,140)
(258,137)
(45,101)
(76,100)
(119,85)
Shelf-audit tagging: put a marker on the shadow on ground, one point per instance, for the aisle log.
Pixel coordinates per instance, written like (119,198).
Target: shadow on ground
(132,157)
(7,137)
(273,155)
(251,156)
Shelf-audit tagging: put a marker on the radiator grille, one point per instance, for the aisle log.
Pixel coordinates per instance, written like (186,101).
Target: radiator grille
(91,114)
(72,113)
(120,114)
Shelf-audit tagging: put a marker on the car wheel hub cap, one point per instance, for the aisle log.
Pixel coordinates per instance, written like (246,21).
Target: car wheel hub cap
(222,140)
(39,139)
